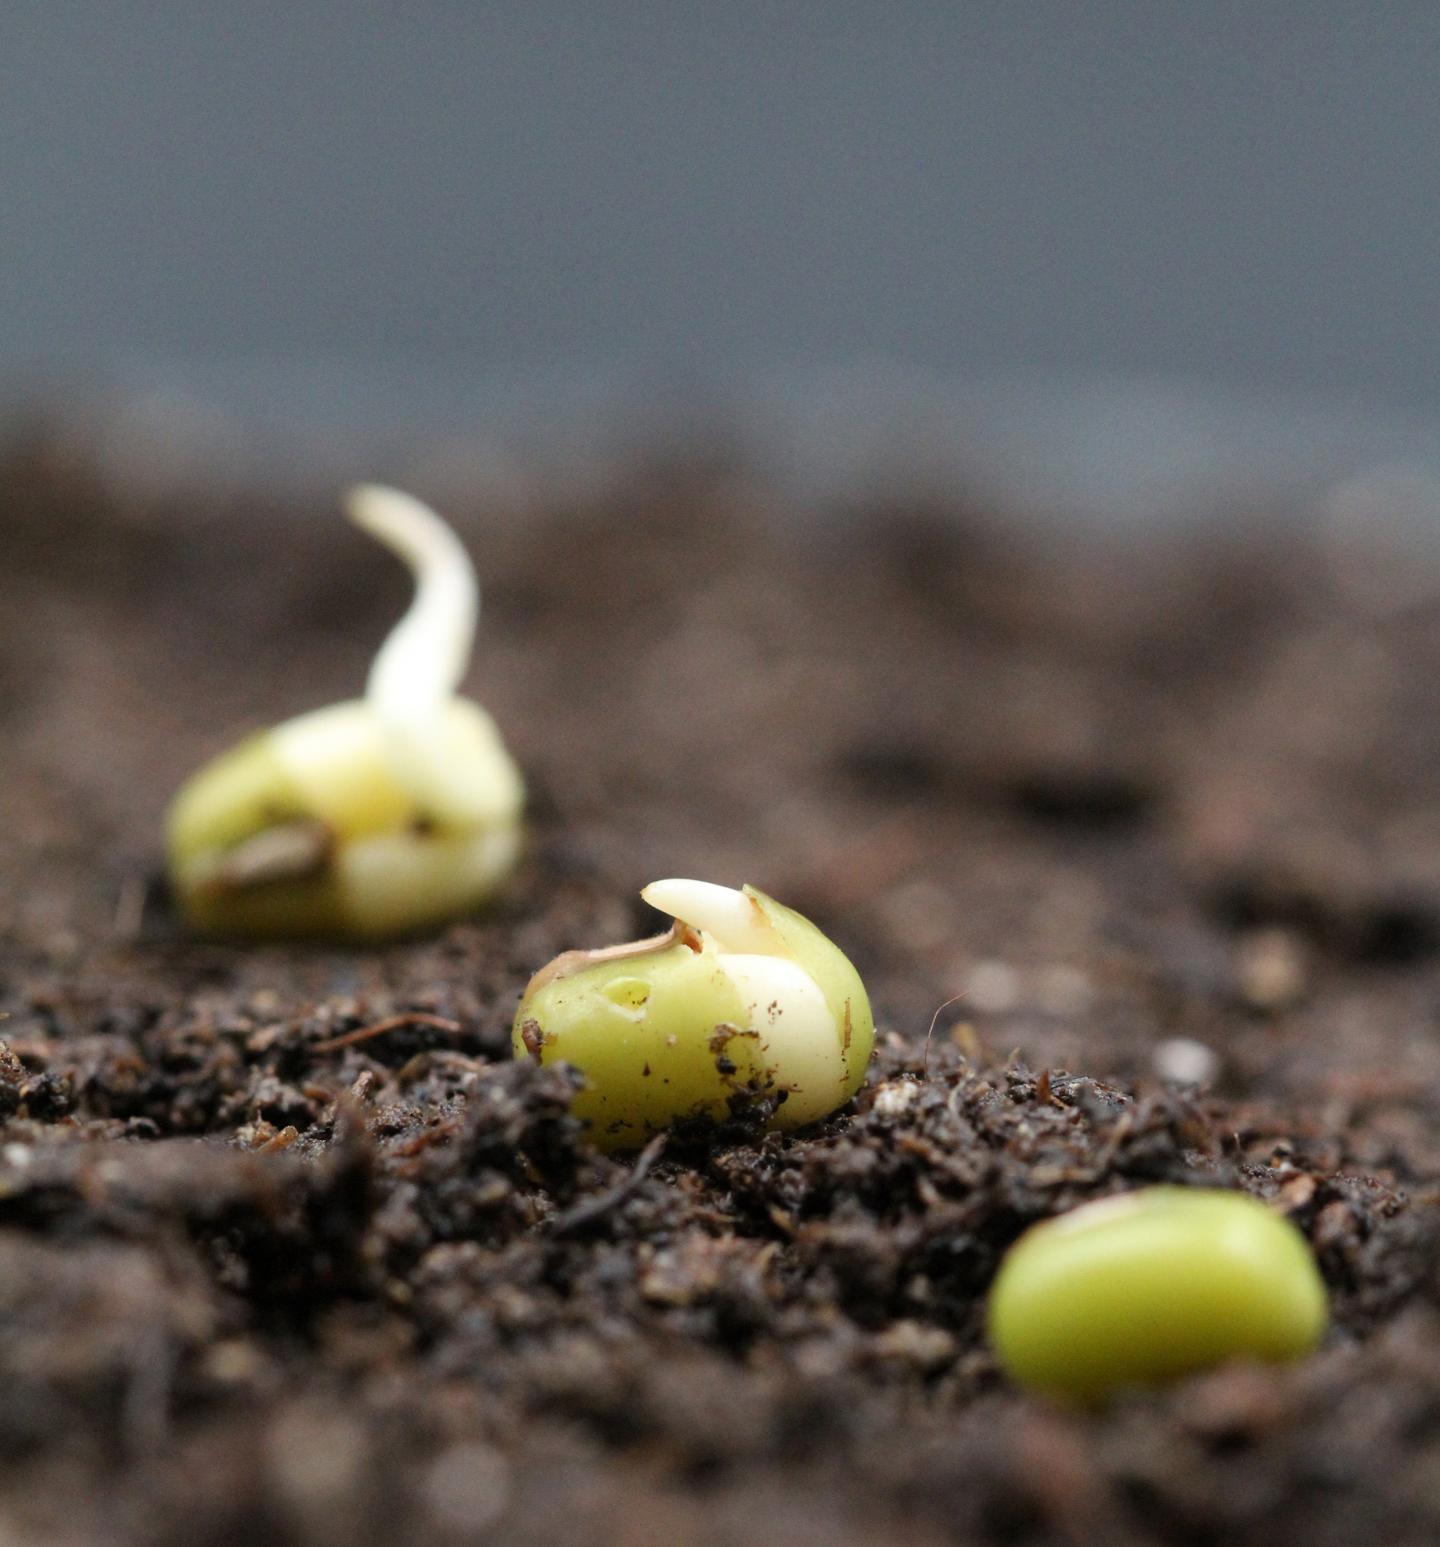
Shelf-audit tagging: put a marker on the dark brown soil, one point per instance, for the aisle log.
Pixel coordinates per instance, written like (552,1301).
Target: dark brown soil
(261,1284)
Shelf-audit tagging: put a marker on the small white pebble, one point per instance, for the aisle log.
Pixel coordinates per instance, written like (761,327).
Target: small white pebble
(316,1457)
(1271,969)
(992,987)
(468,1486)
(894,1097)
(1063,990)
(1184,1061)
(18,1155)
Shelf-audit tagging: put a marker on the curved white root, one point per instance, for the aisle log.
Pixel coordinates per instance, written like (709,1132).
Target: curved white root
(426,655)
(416,671)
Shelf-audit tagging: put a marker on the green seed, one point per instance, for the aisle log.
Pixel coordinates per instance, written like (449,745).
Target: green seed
(742,999)
(1143,1288)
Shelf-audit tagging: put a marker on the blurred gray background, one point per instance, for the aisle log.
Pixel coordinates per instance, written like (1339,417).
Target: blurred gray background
(1113,248)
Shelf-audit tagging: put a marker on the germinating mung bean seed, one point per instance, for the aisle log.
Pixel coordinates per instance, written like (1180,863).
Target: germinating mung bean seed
(742,1000)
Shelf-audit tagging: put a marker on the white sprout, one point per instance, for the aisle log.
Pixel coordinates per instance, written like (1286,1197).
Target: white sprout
(732,919)
(416,671)
(426,656)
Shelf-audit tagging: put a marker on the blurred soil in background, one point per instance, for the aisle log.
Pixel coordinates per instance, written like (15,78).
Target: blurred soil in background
(1164,815)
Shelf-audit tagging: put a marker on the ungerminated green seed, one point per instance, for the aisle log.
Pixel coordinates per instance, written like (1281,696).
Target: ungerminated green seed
(743,999)
(1148,1286)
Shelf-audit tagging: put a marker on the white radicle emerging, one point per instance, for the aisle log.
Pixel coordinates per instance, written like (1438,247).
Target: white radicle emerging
(374,816)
